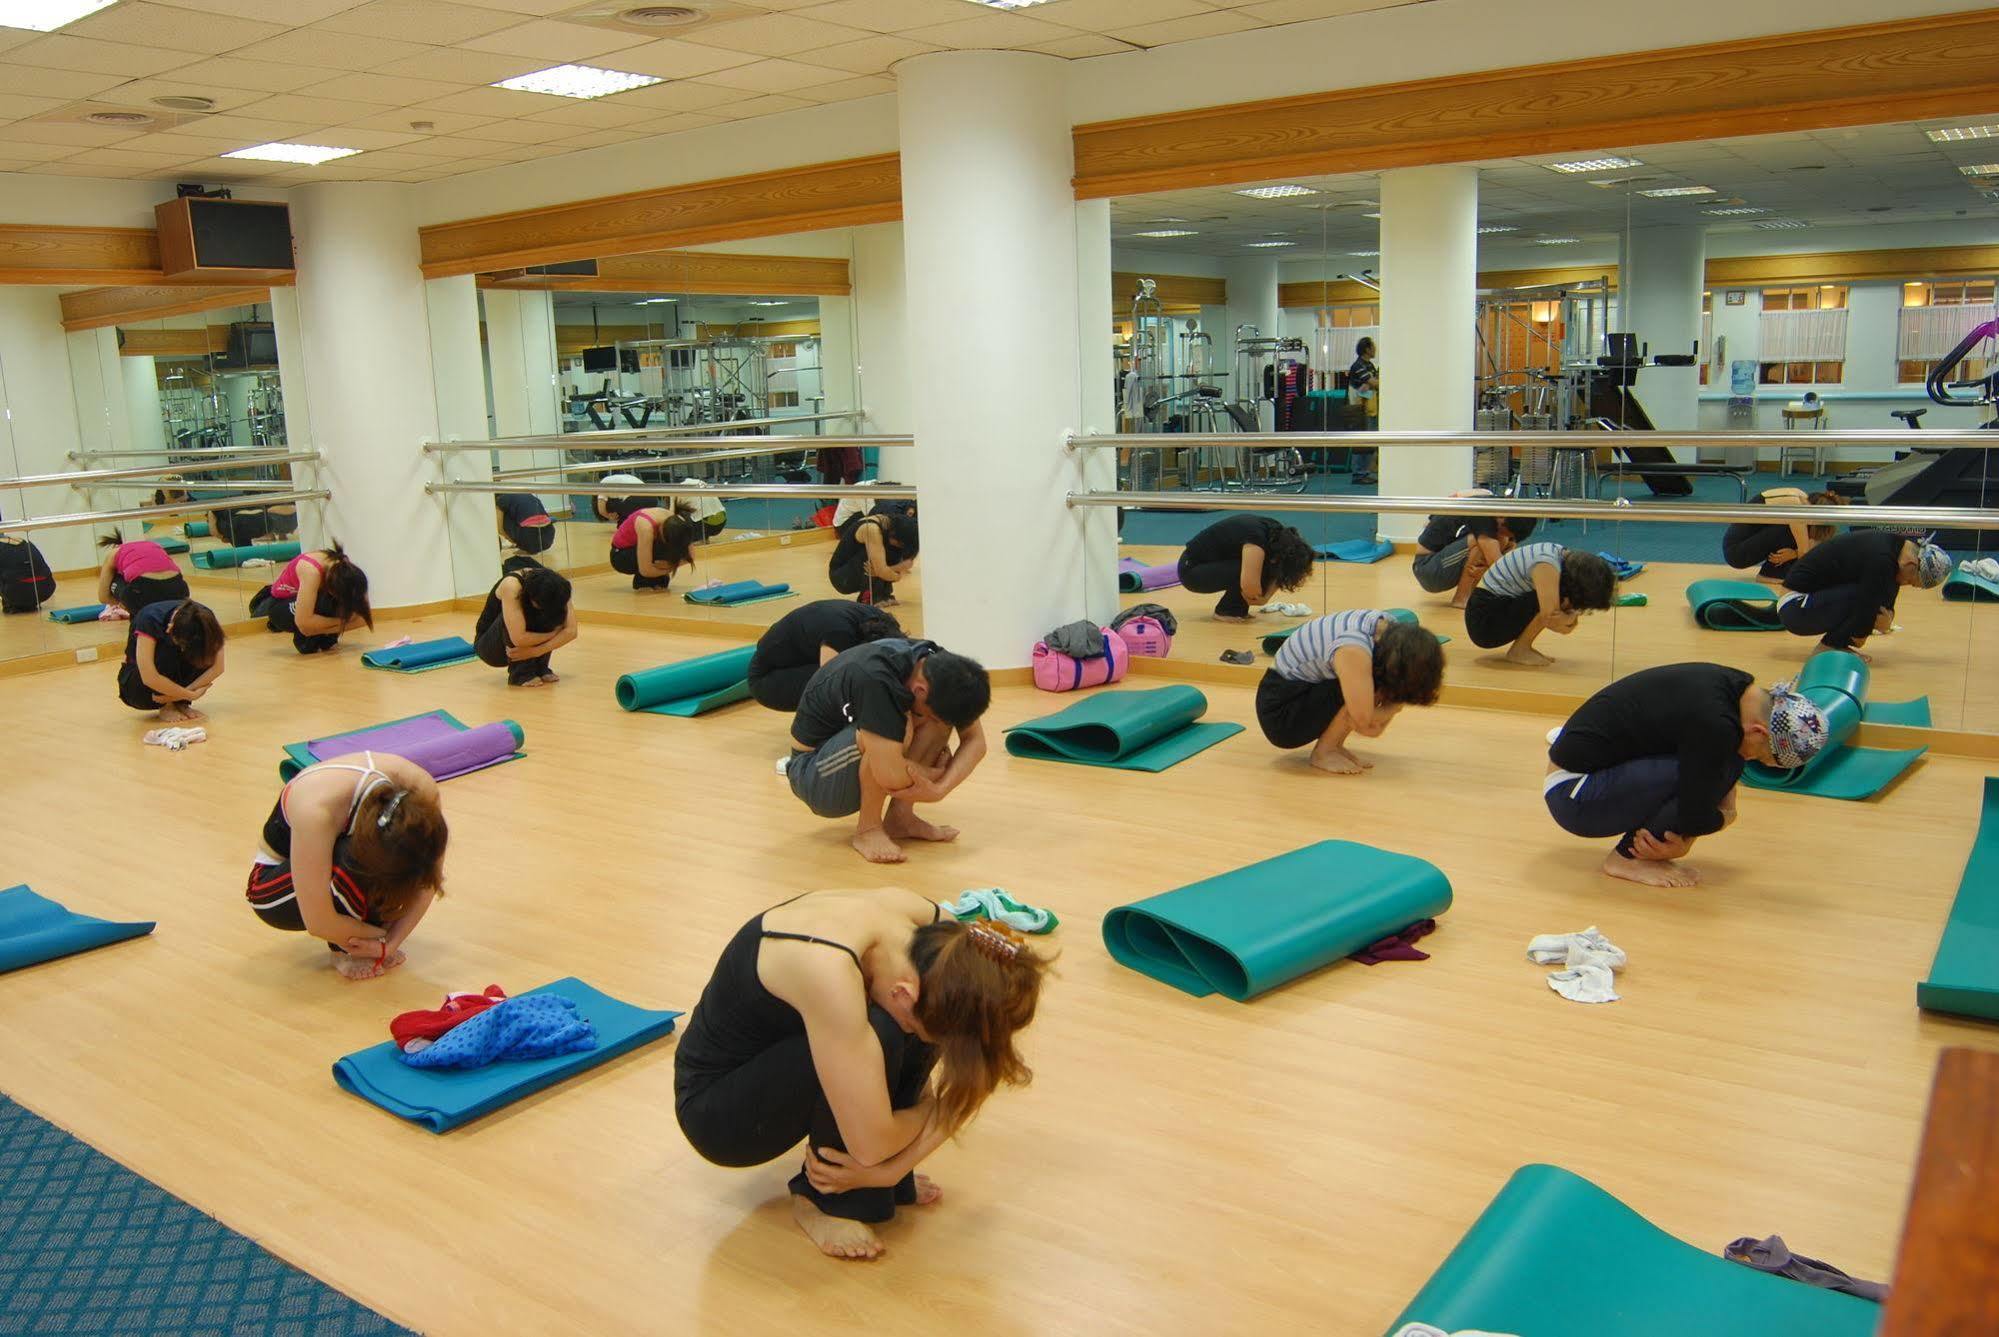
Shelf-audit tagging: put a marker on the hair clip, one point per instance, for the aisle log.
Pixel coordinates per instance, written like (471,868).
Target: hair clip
(388,813)
(992,942)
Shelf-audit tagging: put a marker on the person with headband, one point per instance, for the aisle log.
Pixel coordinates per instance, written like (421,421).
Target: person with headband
(867,1024)
(1653,759)
(352,853)
(1843,590)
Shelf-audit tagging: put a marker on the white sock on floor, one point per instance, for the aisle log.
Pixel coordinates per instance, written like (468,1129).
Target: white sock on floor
(1586,984)
(1574,950)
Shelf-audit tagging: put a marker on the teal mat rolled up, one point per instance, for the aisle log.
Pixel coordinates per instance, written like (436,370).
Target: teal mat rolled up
(1963,587)
(1126,731)
(421,657)
(1964,977)
(1277,638)
(1547,1227)
(196,529)
(1272,922)
(691,687)
(1735,605)
(1836,682)
(215,559)
(738,592)
(87,613)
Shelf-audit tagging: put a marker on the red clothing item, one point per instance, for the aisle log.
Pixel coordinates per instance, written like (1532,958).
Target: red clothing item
(458,1008)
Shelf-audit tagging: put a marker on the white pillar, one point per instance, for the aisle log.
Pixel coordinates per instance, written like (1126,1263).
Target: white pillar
(1096,470)
(38,419)
(881,345)
(364,345)
(989,237)
(453,308)
(1428,353)
(1253,284)
(141,377)
(236,403)
(102,423)
(520,342)
(1661,274)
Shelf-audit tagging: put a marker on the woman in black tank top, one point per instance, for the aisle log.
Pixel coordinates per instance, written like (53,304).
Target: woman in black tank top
(874,552)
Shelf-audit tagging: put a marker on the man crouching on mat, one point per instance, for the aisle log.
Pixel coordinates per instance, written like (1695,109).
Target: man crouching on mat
(874,729)
(824,1022)
(1344,674)
(1654,759)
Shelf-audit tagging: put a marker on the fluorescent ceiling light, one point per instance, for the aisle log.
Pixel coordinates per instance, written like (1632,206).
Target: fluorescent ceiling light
(1491,228)
(1371,215)
(1780,224)
(1668,192)
(1742,211)
(1373,252)
(1592,165)
(47,15)
(1168,232)
(1160,222)
(1276,192)
(1556,241)
(1956,133)
(770,304)
(653,301)
(1260,244)
(578,81)
(312,155)
(1981,169)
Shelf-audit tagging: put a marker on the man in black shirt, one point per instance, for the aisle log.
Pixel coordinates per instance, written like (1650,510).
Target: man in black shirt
(1844,589)
(1654,757)
(872,737)
(804,640)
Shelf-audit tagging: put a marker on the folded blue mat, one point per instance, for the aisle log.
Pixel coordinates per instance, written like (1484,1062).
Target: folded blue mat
(87,613)
(737,592)
(1623,569)
(34,929)
(442,1100)
(1354,550)
(421,657)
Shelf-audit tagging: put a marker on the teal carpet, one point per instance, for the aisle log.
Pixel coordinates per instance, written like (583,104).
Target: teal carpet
(86,1246)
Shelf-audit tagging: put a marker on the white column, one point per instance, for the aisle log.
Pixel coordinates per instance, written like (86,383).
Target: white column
(989,238)
(1661,274)
(453,307)
(364,357)
(39,419)
(881,345)
(1096,470)
(102,423)
(520,341)
(1253,286)
(141,378)
(236,403)
(1428,352)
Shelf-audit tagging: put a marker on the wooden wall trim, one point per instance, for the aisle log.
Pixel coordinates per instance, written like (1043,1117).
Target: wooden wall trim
(799,199)
(1177,292)
(175,343)
(1863,75)
(35,254)
(699,272)
(1923,262)
(95,308)
(1310,293)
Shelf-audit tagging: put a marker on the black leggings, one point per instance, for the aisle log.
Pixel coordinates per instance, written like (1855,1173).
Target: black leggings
(137,595)
(781,689)
(761,1110)
(1224,578)
(1744,546)
(625,561)
(1839,616)
(1622,800)
(530,538)
(851,577)
(278,615)
(492,647)
(132,689)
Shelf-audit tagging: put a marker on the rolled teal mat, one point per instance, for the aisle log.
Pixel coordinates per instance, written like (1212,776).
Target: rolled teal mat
(691,687)
(1354,550)
(1547,1227)
(1127,731)
(1277,638)
(1963,587)
(212,559)
(1735,605)
(34,929)
(738,592)
(196,529)
(1964,977)
(87,613)
(441,1099)
(1837,683)
(1272,922)
(421,657)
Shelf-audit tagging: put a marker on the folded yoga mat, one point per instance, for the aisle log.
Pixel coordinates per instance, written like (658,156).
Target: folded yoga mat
(1354,550)
(87,613)
(210,559)
(172,545)
(739,592)
(1277,638)
(34,929)
(1622,568)
(1548,1227)
(691,687)
(434,740)
(1735,605)
(1127,731)
(1964,977)
(441,1099)
(420,657)
(1837,683)
(1964,587)
(1272,922)
(1138,578)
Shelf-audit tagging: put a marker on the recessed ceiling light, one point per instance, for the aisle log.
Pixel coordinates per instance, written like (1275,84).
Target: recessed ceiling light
(1556,241)
(578,81)
(1981,169)
(1259,245)
(1491,228)
(1373,252)
(310,154)
(770,304)
(1276,192)
(185,102)
(1168,232)
(1780,224)
(118,117)
(1956,133)
(1739,211)
(1668,192)
(653,301)
(1592,165)
(1371,215)
(47,15)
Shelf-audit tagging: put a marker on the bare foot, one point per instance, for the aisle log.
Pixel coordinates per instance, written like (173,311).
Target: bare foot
(1528,655)
(551,676)
(1338,761)
(1650,872)
(365,968)
(927,1190)
(173,714)
(876,847)
(912,827)
(188,712)
(1460,603)
(531,682)
(1225,617)
(836,1237)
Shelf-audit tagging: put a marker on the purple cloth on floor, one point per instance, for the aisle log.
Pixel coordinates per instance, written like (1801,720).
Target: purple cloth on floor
(1397,946)
(529,1027)
(1771,1255)
(1159,577)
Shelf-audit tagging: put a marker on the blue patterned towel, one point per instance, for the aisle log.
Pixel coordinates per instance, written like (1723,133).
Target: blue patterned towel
(530,1027)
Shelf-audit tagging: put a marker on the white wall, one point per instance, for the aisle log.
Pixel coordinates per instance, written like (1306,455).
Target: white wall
(39,428)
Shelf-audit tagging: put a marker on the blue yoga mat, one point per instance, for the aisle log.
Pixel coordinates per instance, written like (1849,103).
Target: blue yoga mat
(737,592)
(441,1100)
(34,929)
(87,613)
(1354,550)
(420,657)
(1620,567)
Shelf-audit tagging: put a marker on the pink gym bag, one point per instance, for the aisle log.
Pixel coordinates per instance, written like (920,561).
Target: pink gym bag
(1057,672)
(1146,638)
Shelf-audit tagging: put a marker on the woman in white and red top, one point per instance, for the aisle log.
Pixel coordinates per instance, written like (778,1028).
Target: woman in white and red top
(651,544)
(136,574)
(317,596)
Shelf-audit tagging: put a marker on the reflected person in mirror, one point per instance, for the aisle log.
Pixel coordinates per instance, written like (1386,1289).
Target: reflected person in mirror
(1541,587)
(1246,559)
(316,597)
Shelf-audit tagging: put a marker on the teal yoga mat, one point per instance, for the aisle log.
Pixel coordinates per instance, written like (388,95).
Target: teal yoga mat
(196,529)
(1735,605)
(691,687)
(442,1099)
(87,613)
(1963,587)
(1354,550)
(1548,1227)
(737,593)
(1272,922)
(172,545)
(34,929)
(1964,977)
(1126,731)
(1837,683)
(421,657)
(212,559)
(1277,638)
(435,740)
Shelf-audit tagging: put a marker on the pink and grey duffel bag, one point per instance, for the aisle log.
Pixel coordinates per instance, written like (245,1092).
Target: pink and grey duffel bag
(1057,672)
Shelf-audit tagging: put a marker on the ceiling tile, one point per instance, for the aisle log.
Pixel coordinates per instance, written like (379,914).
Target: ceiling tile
(382,90)
(151,25)
(254,75)
(768,76)
(604,114)
(295,11)
(537,8)
(671,59)
(307,108)
(392,160)
(887,16)
(555,42)
(68,136)
(491,102)
(17,164)
(845,90)
(140,92)
(441,122)
(46,81)
(1190,29)
(1082,46)
(773,34)
(434,22)
(253,129)
(64,52)
(438,147)
(330,50)
(1301,11)
(20,150)
(872,55)
(1103,15)
(67,168)
(989,32)
(770,105)
(518,132)
(189,146)
(347,137)
(137,162)
(458,66)
(14,107)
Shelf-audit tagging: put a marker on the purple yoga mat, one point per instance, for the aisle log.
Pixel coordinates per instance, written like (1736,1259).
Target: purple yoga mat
(1125,564)
(433,741)
(1159,577)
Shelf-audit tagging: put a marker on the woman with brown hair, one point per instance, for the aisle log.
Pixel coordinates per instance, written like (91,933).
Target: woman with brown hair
(784,1046)
(352,853)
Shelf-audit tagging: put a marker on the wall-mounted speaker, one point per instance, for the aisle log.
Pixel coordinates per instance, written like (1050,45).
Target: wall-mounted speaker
(223,239)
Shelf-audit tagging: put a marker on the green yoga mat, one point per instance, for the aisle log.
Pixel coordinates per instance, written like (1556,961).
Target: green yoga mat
(1837,683)
(1735,605)
(212,559)
(172,545)
(196,529)
(1964,978)
(1277,638)
(1127,731)
(1963,587)
(86,613)
(691,687)
(1272,922)
(1549,1227)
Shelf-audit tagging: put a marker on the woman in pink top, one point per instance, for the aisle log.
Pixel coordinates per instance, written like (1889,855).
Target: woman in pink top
(651,544)
(317,596)
(137,574)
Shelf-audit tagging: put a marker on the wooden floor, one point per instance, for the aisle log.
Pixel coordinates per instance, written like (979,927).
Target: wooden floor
(1295,1165)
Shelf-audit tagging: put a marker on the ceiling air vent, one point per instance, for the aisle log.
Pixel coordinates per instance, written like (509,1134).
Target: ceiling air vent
(109,116)
(133,118)
(656,20)
(183,102)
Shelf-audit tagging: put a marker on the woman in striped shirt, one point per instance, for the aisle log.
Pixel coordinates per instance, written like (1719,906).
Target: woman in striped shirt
(1536,588)
(1344,674)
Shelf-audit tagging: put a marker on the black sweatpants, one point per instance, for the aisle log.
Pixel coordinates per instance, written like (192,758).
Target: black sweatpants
(279,615)
(1224,578)
(530,538)
(1839,616)
(851,577)
(492,647)
(1440,570)
(1621,800)
(1744,546)
(136,595)
(1493,620)
(753,1115)
(780,689)
(132,689)
(625,561)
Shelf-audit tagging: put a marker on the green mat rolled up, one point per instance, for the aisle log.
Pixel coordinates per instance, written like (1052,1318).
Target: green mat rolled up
(196,529)
(1836,682)
(1964,977)
(1963,587)
(214,559)
(1548,1227)
(1277,638)
(691,687)
(1735,605)
(1272,922)
(1127,731)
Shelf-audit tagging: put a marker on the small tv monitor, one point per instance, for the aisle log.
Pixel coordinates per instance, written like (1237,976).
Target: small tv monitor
(600,359)
(628,361)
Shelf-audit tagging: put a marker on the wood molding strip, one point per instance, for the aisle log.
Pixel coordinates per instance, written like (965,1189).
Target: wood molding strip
(175,343)
(1922,262)
(95,308)
(698,272)
(34,254)
(1183,291)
